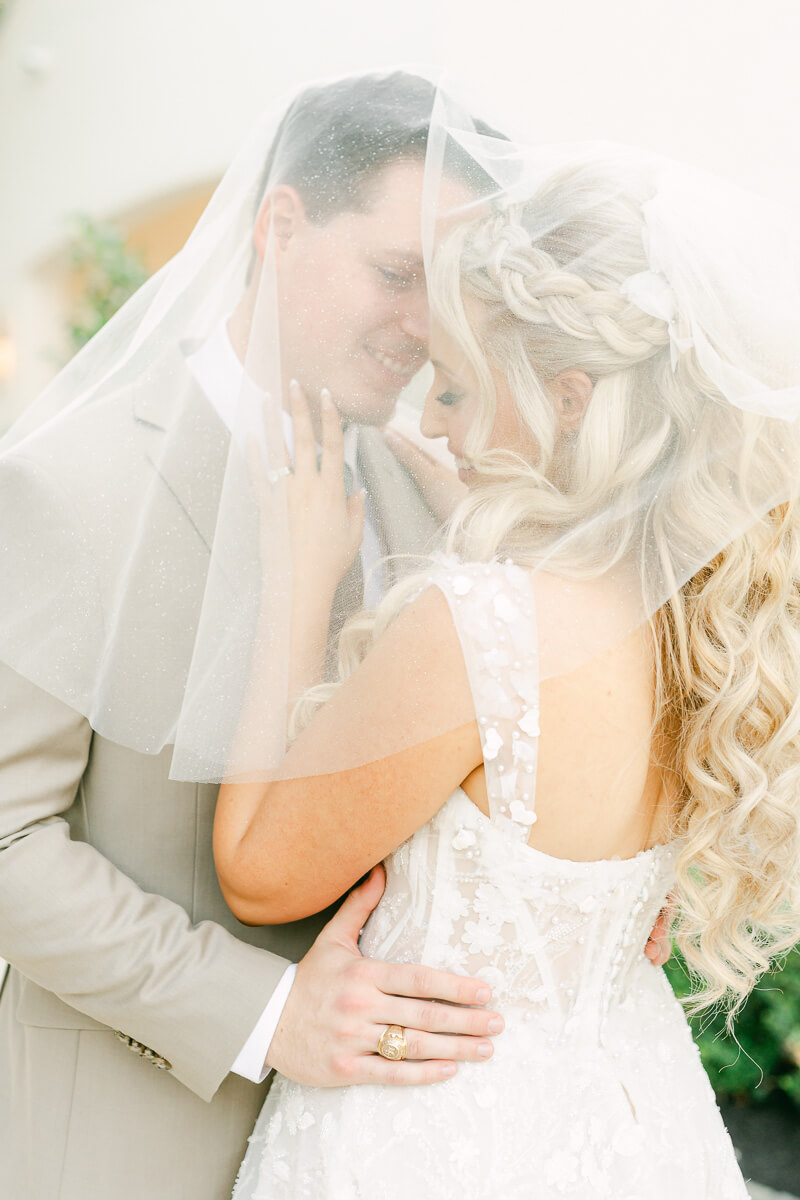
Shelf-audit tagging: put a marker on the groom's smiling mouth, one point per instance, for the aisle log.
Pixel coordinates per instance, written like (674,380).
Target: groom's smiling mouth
(399,366)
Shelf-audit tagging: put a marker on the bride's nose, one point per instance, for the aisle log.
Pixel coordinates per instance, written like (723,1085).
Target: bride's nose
(432,423)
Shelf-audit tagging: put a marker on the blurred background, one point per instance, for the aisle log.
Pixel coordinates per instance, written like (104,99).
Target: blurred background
(128,114)
(117,120)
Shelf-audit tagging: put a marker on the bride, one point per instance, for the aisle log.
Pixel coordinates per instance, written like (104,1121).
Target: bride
(587,703)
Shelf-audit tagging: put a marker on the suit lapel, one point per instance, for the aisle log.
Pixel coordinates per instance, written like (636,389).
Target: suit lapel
(185,440)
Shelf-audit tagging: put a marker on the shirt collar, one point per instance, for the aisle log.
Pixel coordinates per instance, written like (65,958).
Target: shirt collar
(218,370)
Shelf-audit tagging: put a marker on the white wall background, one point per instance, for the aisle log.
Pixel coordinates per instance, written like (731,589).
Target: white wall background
(106,105)
(153,95)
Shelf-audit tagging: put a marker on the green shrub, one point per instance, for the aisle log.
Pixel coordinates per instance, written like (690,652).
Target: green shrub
(108,273)
(766,1059)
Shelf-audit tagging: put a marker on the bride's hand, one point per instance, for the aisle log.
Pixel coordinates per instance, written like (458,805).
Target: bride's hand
(325,525)
(659,944)
(440,486)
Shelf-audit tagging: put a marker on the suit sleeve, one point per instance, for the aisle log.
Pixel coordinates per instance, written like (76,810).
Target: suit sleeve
(76,925)
(70,920)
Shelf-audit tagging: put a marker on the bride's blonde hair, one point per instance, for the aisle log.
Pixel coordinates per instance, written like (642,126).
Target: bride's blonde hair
(528,307)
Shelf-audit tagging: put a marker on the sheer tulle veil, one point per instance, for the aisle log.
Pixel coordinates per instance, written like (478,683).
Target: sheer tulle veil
(142,559)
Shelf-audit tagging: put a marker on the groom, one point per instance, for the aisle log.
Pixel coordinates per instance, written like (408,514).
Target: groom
(138,1016)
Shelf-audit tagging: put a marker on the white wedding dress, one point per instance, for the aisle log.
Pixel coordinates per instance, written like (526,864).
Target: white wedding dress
(595,1089)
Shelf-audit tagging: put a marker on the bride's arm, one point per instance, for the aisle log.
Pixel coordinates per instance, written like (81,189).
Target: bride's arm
(288,848)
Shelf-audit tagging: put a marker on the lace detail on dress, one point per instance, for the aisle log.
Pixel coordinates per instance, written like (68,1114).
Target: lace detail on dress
(494,614)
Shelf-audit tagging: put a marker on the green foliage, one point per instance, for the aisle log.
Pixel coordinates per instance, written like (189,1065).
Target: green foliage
(767,1058)
(108,274)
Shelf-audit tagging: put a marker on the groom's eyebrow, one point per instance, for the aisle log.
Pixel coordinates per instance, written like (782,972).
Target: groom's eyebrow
(411,262)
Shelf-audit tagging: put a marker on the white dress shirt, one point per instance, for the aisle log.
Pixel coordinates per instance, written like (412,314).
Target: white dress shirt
(219,372)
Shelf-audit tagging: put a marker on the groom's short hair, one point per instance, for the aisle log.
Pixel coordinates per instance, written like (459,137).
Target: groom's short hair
(334,137)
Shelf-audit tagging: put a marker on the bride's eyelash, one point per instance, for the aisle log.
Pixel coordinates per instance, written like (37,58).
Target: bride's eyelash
(449,398)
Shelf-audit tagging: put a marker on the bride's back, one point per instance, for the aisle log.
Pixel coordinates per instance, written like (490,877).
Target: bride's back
(599,787)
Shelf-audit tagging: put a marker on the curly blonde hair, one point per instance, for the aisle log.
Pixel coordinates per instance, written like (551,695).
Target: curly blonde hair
(684,480)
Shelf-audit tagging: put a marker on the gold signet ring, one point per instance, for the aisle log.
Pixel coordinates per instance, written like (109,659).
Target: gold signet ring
(392,1043)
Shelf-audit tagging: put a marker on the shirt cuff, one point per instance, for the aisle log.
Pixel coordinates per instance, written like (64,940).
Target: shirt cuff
(251,1059)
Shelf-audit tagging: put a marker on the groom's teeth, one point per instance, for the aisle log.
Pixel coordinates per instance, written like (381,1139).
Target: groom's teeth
(395,365)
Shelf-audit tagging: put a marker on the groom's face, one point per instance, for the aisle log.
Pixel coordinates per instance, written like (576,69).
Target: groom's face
(352,295)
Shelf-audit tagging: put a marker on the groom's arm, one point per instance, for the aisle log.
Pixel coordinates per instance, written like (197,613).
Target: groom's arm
(76,925)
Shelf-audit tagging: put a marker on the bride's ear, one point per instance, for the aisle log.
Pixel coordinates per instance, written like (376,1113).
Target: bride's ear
(571,392)
(282,211)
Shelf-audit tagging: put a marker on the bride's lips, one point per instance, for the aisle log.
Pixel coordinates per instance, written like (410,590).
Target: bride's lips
(466,473)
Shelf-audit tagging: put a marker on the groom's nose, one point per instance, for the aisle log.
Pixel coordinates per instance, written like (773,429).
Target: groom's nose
(416,319)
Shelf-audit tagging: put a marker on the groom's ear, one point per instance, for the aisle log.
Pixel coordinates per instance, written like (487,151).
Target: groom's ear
(283,213)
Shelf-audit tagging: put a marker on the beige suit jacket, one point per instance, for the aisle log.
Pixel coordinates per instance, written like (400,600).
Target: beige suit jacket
(132,986)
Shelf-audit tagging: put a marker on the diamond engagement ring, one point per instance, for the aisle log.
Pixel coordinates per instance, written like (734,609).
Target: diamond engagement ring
(392,1043)
(278,473)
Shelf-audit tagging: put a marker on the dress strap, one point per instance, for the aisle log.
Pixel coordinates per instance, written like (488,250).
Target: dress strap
(494,614)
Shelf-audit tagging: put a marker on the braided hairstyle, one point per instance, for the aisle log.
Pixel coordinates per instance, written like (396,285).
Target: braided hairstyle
(669,465)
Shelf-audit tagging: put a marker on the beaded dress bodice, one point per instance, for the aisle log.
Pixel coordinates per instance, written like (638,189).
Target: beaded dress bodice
(588,1090)
(560,940)
(468,893)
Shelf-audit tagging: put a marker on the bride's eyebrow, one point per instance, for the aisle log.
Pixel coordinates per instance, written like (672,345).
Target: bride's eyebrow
(445,370)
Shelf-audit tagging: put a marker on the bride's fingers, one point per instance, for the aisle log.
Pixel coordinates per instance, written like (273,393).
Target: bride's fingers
(332,462)
(356,508)
(423,1046)
(305,453)
(406,451)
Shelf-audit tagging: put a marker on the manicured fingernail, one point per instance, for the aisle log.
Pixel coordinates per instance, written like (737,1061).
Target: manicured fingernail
(483,995)
(326,398)
(496,1025)
(448,1069)
(293,383)
(484,1050)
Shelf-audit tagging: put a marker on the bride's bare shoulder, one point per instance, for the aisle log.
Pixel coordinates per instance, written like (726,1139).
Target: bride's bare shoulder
(582,620)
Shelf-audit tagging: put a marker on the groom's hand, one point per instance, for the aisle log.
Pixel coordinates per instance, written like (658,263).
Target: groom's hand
(341,1002)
